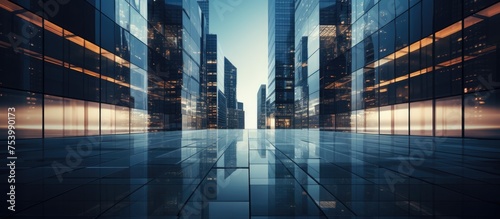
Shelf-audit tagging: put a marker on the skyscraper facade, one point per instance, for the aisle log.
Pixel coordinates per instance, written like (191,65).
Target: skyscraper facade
(205,9)
(128,66)
(281,54)
(321,42)
(183,28)
(221,110)
(203,104)
(422,68)
(230,80)
(64,79)
(241,116)
(397,67)
(261,107)
(216,100)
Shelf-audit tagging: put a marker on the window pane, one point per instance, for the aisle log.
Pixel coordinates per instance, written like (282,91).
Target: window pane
(446,13)
(449,117)
(122,120)
(53,116)
(107,119)
(122,11)
(386,74)
(401,6)
(482,119)
(74,117)
(343,121)
(416,23)
(401,119)
(402,31)
(28,113)
(371,116)
(386,11)
(387,39)
(360,121)
(92,113)
(421,118)
(108,30)
(427,17)
(386,118)
(138,121)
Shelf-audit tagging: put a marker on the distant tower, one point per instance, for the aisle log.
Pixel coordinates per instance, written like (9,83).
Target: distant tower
(281,45)
(261,107)
(230,74)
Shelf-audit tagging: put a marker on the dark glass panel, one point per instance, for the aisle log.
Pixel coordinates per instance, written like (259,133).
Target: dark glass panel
(387,39)
(387,12)
(386,90)
(21,66)
(416,23)
(122,43)
(91,88)
(448,81)
(421,87)
(108,8)
(402,31)
(92,24)
(401,6)
(73,84)
(107,33)
(427,17)
(53,79)
(401,91)
(473,6)
(446,13)
(370,92)
(76,17)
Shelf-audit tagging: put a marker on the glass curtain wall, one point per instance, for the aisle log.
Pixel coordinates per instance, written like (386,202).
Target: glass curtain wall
(281,54)
(425,67)
(64,79)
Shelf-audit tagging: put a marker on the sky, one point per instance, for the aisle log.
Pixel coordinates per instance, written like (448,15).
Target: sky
(241,28)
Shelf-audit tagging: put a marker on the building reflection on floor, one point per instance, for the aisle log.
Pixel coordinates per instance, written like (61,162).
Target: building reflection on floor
(257,174)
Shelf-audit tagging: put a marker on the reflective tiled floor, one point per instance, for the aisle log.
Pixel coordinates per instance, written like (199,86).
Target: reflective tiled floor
(256,174)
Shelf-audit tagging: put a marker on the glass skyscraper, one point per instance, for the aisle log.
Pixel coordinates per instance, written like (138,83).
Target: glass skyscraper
(67,80)
(423,68)
(241,115)
(397,67)
(321,41)
(205,9)
(261,107)
(110,73)
(216,99)
(182,23)
(221,110)
(230,80)
(280,86)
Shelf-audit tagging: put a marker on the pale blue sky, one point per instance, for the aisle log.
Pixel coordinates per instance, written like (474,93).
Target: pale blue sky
(241,28)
